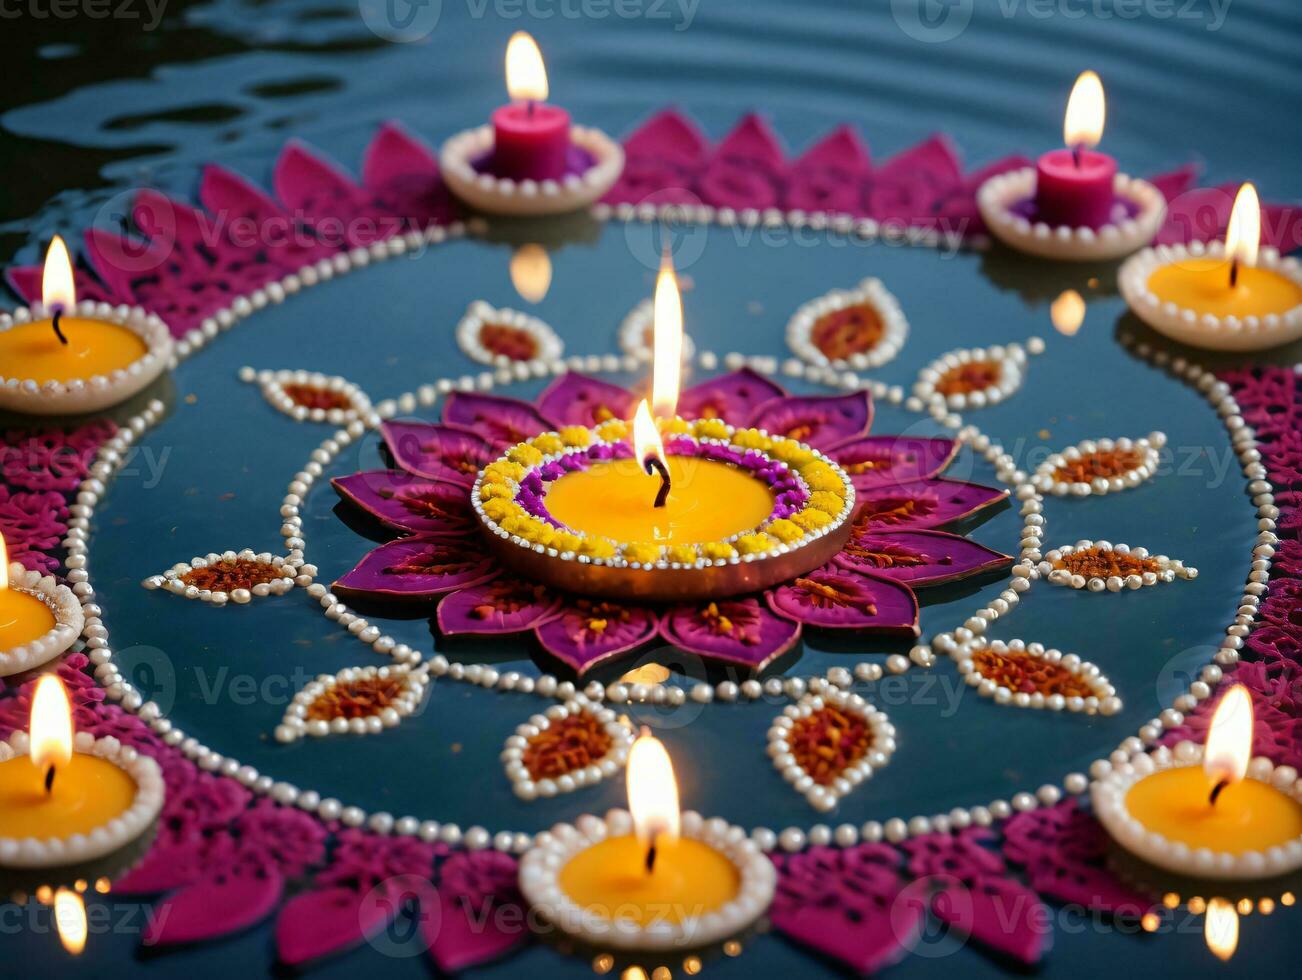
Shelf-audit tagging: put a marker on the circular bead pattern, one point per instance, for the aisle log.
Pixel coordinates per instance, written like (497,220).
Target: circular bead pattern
(68,621)
(540,871)
(1206,329)
(546,345)
(55,852)
(513,753)
(81,395)
(870,293)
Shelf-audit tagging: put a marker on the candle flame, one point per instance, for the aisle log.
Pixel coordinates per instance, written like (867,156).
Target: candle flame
(1086,110)
(526,75)
(652,790)
(531,272)
(70,920)
(58,290)
(1221,929)
(1229,739)
(646,437)
(50,732)
(1067,312)
(4,564)
(1243,233)
(667,362)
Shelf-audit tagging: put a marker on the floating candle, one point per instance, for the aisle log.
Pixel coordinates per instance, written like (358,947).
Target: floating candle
(1225,818)
(531,140)
(1074,186)
(24,616)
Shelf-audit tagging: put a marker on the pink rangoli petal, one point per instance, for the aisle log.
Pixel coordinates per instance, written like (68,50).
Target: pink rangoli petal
(820,420)
(417,569)
(504,605)
(836,598)
(922,504)
(502,421)
(737,631)
(437,452)
(407,503)
(729,396)
(588,632)
(875,461)
(918,558)
(577,399)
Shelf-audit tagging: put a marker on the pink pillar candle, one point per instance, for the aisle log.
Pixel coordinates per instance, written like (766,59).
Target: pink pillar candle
(1072,192)
(531,141)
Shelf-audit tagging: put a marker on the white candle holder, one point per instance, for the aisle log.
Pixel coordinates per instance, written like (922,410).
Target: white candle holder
(503,195)
(68,621)
(1189,326)
(1109,797)
(540,871)
(116,834)
(84,395)
(997,197)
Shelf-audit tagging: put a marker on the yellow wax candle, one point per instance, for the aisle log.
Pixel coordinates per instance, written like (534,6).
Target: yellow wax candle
(689,879)
(33,350)
(23,618)
(710,500)
(1203,285)
(1248,815)
(87,793)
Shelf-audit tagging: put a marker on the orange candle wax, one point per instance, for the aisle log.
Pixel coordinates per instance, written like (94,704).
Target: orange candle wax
(710,500)
(23,618)
(689,879)
(32,351)
(87,793)
(1248,815)
(1203,285)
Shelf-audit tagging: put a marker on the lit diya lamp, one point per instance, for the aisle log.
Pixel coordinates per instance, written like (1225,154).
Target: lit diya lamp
(650,878)
(530,160)
(65,358)
(68,799)
(1230,296)
(39,617)
(1207,811)
(708,512)
(1073,204)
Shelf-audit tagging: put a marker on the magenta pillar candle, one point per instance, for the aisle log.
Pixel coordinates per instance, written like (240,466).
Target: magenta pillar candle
(531,141)
(1076,192)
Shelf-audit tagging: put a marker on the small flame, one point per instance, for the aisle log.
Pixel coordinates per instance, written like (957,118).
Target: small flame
(526,75)
(1067,312)
(646,437)
(652,790)
(531,272)
(667,363)
(57,288)
(51,726)
(4,564)
(70,920)
(1086,109)
(1243,233)
(1221,929)
(1229,739)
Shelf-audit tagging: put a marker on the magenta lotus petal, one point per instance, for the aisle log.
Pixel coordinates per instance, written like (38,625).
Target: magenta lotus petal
(437,452)
(909,187)
(213,907)
(837,598)
(729,396)
(401,174)
(504,605)
(922,504)
(577,399)
(502,421)
(875,461)
(588,632)
(305,183)
(918,558)
(417,569)
(822,421)
(325,921)
(746,168)
(406,503)
(738,631)
(828,176)
(999,913)
(662,159)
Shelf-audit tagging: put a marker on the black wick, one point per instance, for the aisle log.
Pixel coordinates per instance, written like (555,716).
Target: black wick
(529,108)
(651,852)
(1234,272)
(1216,791)
(1075,155)
(49,780)
(653,463)
(58,330)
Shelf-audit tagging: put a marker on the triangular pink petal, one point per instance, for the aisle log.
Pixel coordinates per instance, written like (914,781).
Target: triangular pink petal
(572,637)
(865,942)
(670,136)
(394,154)
(118,260)
(164,868)
(999,913)
(752,141)
(1084,885)
(326,921)
(934,160)
(738,631)
(1173,183)
(213,908)
(842,150)
(25,280)
(224,192)
(577,399)
(462,933)
(301,179)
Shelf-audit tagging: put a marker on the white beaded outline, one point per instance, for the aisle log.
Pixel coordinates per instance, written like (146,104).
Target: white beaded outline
(1207,330)
(1109,792)
(1169,569)
(1103,701)
(1011,359)
(480,313)
(117,833)
(541,866)
(294,725)
(273,384)
(68,620)
(870,292)
(527,788)
(1149,447)
(998,194)
(293,570)
(879,752)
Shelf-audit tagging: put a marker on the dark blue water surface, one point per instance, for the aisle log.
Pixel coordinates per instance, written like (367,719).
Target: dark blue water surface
(231,81)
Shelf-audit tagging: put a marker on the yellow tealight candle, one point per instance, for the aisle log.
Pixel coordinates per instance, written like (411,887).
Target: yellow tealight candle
(94,347)
(23,616)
